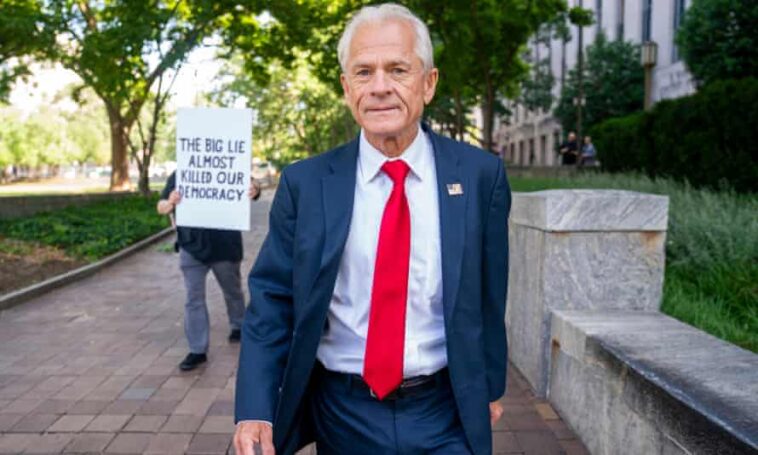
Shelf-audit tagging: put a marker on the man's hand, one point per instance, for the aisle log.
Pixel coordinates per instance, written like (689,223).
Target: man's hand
(254,433)
(166,206)
(496,411)
(175,197)
(254,191)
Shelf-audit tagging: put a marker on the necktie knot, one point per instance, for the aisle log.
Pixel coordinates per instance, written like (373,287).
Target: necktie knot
(397,170)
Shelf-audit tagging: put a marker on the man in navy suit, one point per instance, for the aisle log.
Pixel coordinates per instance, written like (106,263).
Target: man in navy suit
(376,323)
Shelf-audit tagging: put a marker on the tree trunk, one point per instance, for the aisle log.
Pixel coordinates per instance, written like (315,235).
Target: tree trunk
(488,116)
(119,152)
(144,181)
(563,64)
(459,126)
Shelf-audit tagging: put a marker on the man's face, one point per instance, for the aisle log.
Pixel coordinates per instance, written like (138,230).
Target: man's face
(385,83)
(572,137)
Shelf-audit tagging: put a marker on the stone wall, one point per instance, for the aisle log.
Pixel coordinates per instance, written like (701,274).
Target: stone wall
(643,383)
(586,278)
(579,249)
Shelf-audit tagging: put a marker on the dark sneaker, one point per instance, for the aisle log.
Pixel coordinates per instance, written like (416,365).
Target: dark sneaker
(235,335)
(192,361)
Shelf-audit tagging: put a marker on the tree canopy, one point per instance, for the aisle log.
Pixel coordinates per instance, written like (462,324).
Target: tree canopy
(613,84)
(296,115)
(22,34)
(122,49)
(718,39)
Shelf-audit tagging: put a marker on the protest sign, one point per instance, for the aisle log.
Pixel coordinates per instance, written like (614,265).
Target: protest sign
(213,167)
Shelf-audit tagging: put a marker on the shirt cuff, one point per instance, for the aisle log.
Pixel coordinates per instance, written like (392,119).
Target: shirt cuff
(251,421)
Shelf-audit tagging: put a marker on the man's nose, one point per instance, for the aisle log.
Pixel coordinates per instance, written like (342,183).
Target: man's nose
(380,84)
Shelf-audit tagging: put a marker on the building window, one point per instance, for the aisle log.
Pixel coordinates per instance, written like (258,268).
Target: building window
(679,7)
(556,143)
(620,21)
(521,153)
(513,152)
(647,20)
(531,152)
(599,15)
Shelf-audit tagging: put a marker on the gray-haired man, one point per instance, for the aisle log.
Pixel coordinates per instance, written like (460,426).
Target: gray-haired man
(378,298)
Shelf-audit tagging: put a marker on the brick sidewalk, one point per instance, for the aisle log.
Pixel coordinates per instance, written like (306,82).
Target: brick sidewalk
(92,368)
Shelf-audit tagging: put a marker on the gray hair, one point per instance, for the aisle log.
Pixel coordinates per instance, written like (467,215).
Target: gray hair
(386,12)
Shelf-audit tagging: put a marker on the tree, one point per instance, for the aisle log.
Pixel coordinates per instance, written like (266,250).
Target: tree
(22,33)
(86,131)
(296,115)
(477,44)
(142,143)
(537,88)
(718,39)
(121,48)
(613,82)
(484,40)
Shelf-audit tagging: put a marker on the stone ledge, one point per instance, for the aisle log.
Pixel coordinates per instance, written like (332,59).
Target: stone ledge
(20,206)
(590,210)
(675,388)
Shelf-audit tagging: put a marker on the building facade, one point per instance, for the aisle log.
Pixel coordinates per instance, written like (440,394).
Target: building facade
(531,138)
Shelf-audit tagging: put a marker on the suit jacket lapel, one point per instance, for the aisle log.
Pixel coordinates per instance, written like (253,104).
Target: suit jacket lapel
(452,204)
(338,192)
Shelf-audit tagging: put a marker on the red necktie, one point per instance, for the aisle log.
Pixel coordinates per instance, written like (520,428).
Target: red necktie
(383,362)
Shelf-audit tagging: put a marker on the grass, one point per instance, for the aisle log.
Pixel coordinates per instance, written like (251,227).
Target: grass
(711,252)
(90,232)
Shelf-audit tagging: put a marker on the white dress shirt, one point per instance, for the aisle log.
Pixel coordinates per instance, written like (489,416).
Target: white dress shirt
(343,343)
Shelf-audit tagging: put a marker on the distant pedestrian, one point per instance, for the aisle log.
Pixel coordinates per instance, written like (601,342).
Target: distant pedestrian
(589,156)
(569,150)
(201,250)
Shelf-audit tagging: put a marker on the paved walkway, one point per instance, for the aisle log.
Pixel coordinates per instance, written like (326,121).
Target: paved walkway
(92,368)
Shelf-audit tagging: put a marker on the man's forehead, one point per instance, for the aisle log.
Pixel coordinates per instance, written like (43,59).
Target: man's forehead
(383,37)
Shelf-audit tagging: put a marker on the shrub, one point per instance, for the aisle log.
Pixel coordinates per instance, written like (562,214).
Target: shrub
(92,231)
(704,138)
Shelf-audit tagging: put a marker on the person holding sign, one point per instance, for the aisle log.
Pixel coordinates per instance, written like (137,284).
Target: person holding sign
(202,250)
(376,323)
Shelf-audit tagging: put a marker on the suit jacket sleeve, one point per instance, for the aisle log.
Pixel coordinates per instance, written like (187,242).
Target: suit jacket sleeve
(267,328)
(495,284)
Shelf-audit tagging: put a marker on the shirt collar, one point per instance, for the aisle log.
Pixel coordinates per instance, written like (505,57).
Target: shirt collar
(371,160)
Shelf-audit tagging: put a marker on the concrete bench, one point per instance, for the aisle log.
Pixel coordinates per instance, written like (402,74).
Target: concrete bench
(631,382)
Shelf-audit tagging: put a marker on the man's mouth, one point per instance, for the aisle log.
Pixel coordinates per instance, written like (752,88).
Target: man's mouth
(381,109)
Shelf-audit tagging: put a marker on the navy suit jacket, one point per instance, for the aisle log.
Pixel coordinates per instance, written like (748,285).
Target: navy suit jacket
(293,278)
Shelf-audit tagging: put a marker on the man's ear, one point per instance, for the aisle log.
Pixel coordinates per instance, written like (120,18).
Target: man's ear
(345,87)
(430,84)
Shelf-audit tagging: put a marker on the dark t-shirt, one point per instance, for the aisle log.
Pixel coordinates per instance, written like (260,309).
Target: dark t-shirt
(206,245)
(570,156)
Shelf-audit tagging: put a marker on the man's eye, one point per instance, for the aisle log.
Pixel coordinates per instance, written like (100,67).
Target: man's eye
(398,71)
(362,73)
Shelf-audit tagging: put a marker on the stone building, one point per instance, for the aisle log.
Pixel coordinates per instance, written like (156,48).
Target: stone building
(530,138)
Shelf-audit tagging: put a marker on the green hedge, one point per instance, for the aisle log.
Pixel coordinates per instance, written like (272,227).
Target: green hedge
(92,231)
(707,139)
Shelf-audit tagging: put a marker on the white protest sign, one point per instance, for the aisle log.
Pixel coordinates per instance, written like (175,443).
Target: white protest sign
(213,167)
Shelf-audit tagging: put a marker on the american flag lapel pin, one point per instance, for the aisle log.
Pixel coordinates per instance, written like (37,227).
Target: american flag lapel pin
(454,189)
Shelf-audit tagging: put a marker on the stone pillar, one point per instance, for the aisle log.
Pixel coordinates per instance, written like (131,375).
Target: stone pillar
(579,249)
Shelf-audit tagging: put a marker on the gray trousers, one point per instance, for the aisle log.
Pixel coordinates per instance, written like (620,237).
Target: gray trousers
(196,322)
